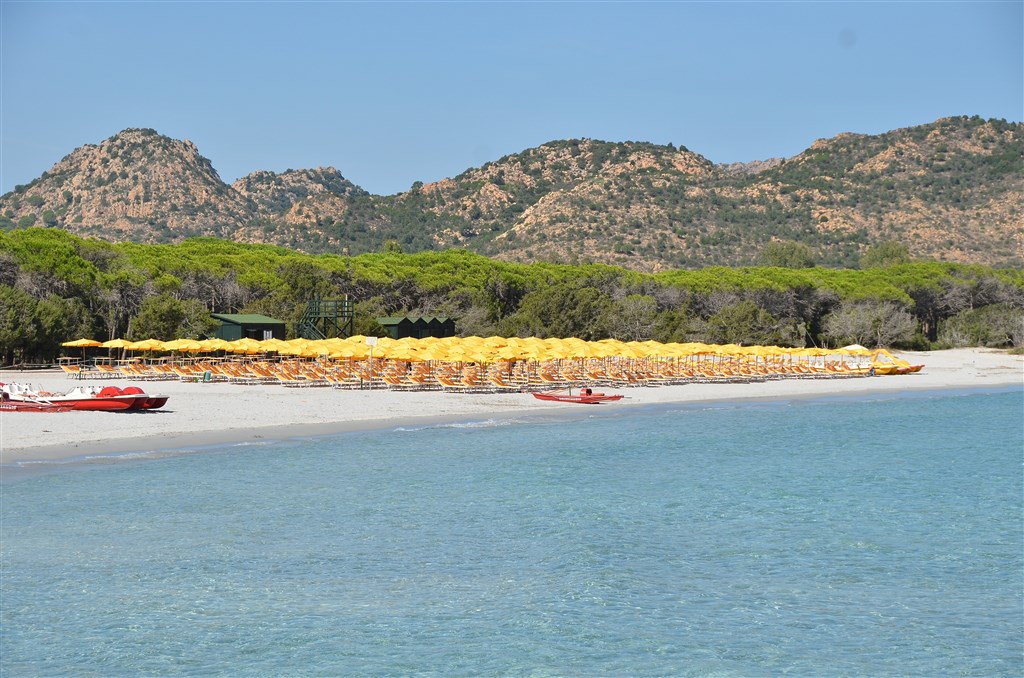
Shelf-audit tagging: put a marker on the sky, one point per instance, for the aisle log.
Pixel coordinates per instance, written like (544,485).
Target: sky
(391,93)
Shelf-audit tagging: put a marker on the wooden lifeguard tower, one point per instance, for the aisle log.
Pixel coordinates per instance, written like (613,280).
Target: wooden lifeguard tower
(324,318)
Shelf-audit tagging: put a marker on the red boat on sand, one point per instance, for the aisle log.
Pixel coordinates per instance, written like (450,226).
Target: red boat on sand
(24,406)
(145,401)
(17,397)
(586,396)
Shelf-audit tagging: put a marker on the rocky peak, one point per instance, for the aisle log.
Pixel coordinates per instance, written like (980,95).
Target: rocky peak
(752,167)
(137,182)
(274,193)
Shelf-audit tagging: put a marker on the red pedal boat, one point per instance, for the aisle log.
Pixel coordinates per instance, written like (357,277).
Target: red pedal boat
(585,396)
(22,406)
(17,397)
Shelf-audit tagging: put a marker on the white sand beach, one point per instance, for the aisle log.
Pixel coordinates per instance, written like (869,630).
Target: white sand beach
(204,414)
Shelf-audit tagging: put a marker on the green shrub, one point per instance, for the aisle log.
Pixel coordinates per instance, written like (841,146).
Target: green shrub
(998,325)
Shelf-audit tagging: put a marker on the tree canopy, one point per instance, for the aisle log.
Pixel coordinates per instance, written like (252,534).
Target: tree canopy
(55,286)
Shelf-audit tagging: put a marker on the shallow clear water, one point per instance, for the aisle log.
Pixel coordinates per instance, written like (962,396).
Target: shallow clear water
(844,537)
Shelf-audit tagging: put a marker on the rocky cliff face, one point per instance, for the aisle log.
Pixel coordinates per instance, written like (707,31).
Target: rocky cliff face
(951,190)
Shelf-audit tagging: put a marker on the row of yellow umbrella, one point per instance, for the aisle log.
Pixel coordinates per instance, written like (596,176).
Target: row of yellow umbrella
(468,349)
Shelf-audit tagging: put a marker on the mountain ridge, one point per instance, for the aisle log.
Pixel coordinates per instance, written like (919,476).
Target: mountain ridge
(950,190)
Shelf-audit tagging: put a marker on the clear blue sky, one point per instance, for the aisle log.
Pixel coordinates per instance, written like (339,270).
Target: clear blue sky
(397,92)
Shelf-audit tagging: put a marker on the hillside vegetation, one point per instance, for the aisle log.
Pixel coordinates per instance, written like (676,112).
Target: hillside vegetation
(55,286)
(951,190)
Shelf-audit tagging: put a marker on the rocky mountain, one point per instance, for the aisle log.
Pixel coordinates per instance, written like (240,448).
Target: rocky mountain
(950,190)
(295,206)
(136,185)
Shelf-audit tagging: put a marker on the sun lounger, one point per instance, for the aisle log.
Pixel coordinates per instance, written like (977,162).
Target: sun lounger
(72,371)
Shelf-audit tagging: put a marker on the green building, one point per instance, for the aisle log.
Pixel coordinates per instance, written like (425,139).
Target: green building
(417,326)
(251,325)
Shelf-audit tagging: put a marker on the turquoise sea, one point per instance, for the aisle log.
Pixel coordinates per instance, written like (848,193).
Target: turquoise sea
(832,537)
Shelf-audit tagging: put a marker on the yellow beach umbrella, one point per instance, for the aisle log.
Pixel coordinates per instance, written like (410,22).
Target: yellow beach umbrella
(532,352)
(434,352)
(479,355)
(82,343)
(554,353)
(627,351)
(508,353)
(294,351)
(146,345)
(173,344)
(495,341)
(402,353)
(245,346)
(424,343)
(216,344)
(186,346)
(277,345)
(319,347)
(354,351)
(116,343)
(332,344)
(286,348)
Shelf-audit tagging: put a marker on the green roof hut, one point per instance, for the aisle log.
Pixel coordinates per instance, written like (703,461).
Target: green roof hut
(248,325)
(399,327)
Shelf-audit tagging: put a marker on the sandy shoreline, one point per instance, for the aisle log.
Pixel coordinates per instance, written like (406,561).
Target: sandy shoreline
(201,415)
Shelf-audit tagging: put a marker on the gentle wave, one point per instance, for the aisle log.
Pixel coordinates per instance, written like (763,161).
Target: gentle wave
(485,423)
(113,457)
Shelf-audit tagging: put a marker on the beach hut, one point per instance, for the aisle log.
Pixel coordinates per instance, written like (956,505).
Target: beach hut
(234,326)
(418,327)
(440,326)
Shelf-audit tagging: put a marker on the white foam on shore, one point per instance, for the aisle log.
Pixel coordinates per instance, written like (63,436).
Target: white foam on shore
(113,457)
(486,423)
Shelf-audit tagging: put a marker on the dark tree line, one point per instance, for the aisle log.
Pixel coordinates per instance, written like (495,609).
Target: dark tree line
(55,287)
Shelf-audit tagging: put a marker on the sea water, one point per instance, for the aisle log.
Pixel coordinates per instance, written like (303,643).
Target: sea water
(870,537)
